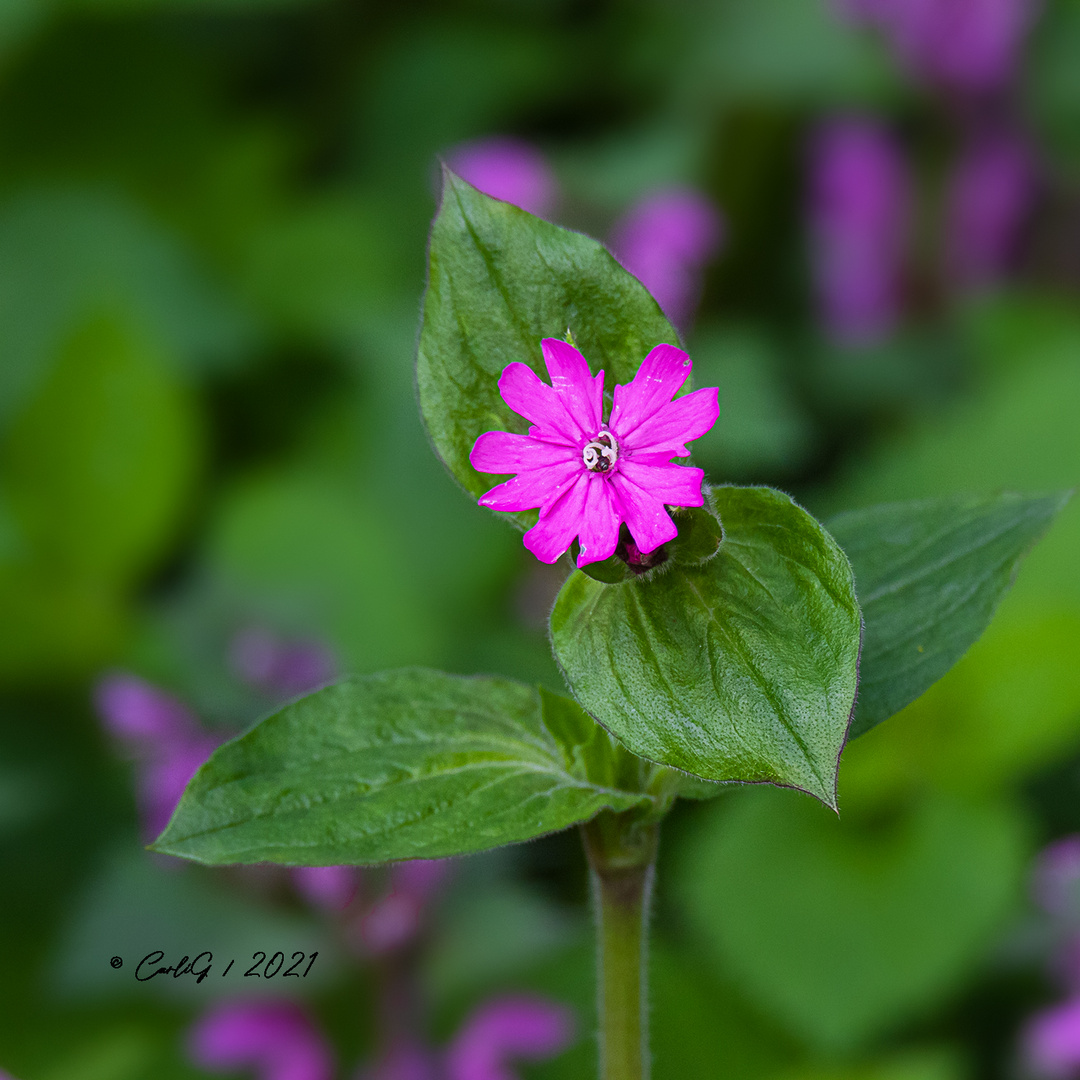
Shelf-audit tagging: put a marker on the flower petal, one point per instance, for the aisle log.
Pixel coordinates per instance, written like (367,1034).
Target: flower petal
(503,452)
(662,372)
(573,382)
(675,485)
(599,532)
(532,487)
(559,522)
(675,424)
(529,396)
(649,523)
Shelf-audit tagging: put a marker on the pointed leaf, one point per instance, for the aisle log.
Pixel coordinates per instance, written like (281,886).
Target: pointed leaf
(401,765)
(500,280)
(741,669)
(929,576)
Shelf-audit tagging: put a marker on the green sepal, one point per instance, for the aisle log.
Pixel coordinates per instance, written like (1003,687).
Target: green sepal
(700,535)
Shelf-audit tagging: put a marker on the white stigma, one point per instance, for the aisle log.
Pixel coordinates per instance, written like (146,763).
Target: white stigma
(601,453)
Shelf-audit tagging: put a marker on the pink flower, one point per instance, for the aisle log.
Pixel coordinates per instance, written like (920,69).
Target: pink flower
(586,475)
(528,1028)
(276,1038)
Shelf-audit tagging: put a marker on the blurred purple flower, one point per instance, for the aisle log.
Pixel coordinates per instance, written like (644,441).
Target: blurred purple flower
(967,45)
(135,711)
(162,736)
(328,887)
(163,777)
(1065,963)
(525,1028)
(1055,883)
(858,206)
(404,1061)
(395,919)
(420,878)
(1051,1041)
(277,1039)
(280,668)
(990,196)
(509,169)
(666,240)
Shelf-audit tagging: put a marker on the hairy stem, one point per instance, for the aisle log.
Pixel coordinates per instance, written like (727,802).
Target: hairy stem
(622,861)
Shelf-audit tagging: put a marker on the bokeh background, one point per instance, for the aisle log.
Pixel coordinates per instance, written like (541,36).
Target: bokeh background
(216,491)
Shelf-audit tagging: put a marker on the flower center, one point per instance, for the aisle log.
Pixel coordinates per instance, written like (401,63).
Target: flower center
(600,454)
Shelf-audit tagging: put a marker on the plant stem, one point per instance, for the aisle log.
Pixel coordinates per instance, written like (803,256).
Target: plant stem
(622,861)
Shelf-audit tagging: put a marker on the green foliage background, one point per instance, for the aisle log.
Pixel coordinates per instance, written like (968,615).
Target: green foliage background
(212,228)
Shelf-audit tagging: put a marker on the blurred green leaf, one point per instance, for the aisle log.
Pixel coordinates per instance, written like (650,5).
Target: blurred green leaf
(123,1052)
(930,575)
(334,267)
(847,929)
(67,256)
(402,765)
(499,281)
(1053,81)
(134,904)
(98,469)
(306,552)
(742,669)
(763,429)
(98,466)
(799,51)
(444,78)
(1008,708)
(940,1062)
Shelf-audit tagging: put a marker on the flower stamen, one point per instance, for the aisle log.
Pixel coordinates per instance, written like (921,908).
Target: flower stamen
(601,453)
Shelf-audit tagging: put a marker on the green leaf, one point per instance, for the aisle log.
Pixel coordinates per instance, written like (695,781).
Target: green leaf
(500,280)
(99,464)
(408,764)
(589,751)
(98,468)
(742,669)
(930,575)
(846,929)
(67,254)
